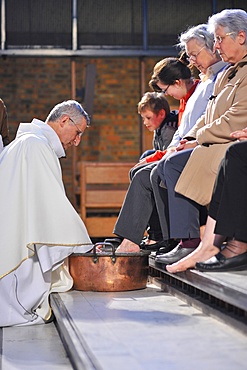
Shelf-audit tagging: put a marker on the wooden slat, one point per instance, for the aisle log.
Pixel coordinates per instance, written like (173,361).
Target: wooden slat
(108,173)
(100,226)
(103,186)
(105,198)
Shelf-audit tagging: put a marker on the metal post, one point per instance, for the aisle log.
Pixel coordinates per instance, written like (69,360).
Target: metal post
(73,94)
(214,6)
(74,151)
(142,66)
(74,25)
(142,87)
(145,24)
(3,25)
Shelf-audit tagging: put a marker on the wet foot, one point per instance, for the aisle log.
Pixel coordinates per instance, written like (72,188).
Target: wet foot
(128,246)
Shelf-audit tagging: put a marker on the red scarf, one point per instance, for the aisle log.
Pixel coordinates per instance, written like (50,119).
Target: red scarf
(184,100)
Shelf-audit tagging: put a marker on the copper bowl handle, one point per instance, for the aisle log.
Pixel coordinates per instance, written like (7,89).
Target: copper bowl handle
(95,256)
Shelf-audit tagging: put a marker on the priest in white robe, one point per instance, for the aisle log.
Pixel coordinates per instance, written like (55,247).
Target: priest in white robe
(39,226)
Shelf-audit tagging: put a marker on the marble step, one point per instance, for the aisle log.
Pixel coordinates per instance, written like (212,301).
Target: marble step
(32,347)
(228,287)
(143,330)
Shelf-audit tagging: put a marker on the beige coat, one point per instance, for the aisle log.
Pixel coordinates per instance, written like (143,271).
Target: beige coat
(226,113)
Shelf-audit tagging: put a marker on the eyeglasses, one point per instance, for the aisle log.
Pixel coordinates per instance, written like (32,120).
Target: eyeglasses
(165,90)
(79,132)
(219,39)
(194,57)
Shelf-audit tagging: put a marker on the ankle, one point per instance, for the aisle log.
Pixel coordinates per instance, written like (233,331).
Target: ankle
(234,248)
(190,243)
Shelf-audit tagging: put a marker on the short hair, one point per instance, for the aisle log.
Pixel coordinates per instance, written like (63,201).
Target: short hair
(70,107)
(153,101)
(168,70)
(199,33)
(232,20)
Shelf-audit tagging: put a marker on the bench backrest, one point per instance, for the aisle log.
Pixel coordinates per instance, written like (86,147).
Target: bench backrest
(102,190)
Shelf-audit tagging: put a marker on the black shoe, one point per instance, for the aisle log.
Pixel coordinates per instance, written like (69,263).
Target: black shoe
(171,244)
(175,255)
(155,246)
(223,264)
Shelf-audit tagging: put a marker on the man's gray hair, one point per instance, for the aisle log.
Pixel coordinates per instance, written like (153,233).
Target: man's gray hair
(70,107)
(200,33)
(232,20)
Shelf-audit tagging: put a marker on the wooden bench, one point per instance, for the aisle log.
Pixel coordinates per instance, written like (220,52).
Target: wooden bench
(102,190)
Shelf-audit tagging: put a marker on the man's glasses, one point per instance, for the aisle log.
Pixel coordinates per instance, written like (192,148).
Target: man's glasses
(79,132)
(219,39)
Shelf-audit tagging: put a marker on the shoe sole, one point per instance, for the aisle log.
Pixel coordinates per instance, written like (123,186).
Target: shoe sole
(232,269)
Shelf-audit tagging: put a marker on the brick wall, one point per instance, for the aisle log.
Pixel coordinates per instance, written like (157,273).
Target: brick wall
(30,87)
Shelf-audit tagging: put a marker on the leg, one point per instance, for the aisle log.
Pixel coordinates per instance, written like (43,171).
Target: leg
(228,199)
(137,207)
(183,213)
(159,223)
(154,228)
(161,201)
(231,214)
(203,252)
(229,204)
(210,243)
(154,232)
(133,170)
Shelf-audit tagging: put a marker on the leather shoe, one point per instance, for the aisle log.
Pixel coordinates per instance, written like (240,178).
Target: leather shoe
(222,264)
(172,243)
(175,255)
(155,246)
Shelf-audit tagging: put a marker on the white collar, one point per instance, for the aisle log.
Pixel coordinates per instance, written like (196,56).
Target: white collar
(43,129)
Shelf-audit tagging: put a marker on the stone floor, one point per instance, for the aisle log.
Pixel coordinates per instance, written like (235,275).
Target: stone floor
(150,329)
(136,330)
(33,347)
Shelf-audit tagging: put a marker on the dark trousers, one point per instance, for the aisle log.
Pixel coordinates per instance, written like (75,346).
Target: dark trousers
(184,214)
(229,200)
(145,205)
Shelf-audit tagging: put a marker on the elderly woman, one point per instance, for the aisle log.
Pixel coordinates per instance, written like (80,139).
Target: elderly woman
(190,174)
(144,195)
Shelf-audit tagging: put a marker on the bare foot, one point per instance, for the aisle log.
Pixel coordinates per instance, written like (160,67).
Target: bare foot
(128,246)
(200,254)
(205,250)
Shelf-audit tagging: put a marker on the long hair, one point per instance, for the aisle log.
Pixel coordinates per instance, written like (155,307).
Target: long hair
(168,70)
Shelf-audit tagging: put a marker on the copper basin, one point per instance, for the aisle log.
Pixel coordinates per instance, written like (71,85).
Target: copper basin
(109,272)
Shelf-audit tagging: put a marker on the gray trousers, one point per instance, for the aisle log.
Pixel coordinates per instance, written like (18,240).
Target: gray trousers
(184,214)
(145,205)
